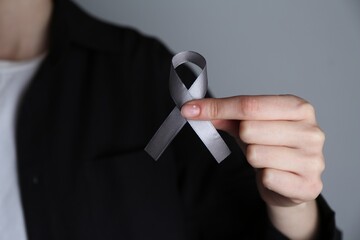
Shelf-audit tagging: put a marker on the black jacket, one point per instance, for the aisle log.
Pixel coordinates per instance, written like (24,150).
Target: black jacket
(95,102)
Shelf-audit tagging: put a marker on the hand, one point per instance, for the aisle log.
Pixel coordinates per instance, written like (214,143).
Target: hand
(281,140)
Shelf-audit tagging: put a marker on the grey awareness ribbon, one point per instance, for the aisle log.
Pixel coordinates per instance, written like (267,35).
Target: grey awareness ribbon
(175,121)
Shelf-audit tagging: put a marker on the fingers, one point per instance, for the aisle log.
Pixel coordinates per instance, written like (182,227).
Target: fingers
(279,136)
(289,156)
(285,159)
(275,107)
(282,133)
(290,185)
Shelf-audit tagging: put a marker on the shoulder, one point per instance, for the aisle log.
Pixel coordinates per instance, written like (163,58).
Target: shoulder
(95,34)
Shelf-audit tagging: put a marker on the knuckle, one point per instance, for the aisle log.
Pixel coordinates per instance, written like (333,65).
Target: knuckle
(316,136)
(251,155)
(244,131)
(294,98)
(317,166)
(320,135)
(266,179)
(306,109)
(320,166)
(213,109)
(248,105)
(315,188)
(310,189)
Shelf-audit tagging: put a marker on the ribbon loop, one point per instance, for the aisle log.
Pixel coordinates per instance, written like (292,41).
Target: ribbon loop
(175,121)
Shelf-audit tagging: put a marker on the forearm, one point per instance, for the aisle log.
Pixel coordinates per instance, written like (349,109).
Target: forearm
(297,222)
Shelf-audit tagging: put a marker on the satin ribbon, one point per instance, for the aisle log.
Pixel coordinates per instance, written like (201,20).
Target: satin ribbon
(175,121)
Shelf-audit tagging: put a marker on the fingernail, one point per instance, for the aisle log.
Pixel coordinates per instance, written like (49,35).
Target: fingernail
(190,110)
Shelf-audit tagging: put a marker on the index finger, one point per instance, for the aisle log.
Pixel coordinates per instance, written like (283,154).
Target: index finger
(261,107)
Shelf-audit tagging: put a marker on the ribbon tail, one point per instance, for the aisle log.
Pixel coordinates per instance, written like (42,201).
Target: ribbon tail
(165,134)
(211,138)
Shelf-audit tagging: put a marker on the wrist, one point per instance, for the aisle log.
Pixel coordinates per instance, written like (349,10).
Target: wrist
(296,222)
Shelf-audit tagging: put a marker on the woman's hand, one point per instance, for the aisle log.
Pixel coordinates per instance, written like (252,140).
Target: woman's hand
(282,141)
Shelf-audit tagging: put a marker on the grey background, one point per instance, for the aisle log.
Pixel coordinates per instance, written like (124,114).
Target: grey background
(310,48)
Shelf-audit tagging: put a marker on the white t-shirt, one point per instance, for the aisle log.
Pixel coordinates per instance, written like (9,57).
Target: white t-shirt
(14,78)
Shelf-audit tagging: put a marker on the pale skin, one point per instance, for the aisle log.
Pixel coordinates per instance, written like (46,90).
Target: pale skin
(278,134)
(23,28)
(282,141)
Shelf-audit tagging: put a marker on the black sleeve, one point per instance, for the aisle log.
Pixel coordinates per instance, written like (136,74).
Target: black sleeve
(328,228)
